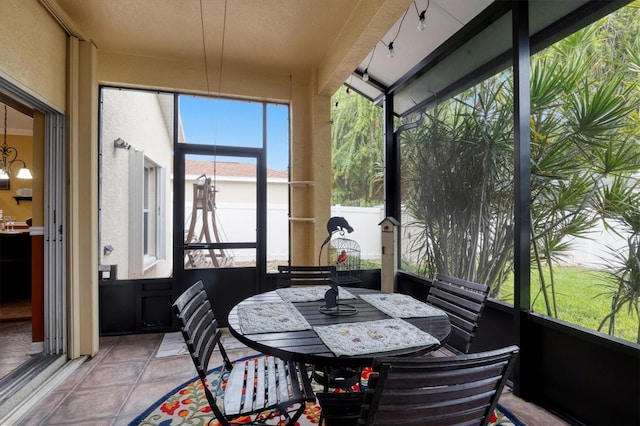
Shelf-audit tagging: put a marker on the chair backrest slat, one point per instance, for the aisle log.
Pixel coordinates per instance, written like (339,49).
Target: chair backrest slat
(272,396)
(464,302)
(462,389)
(260,384)
(281,384)
(249,391)
(304,275)
(296,385)
(233,393)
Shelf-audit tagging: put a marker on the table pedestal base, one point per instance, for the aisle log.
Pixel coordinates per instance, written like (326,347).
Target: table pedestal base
(340,309)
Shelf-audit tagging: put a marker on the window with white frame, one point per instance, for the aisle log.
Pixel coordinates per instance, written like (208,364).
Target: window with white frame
(147,218)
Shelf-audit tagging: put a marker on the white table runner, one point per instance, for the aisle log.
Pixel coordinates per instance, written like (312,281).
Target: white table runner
(398,305)
(270,318)
(360,338)
(310,293)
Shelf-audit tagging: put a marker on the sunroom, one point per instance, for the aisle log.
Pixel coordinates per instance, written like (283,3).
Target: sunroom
(444,76)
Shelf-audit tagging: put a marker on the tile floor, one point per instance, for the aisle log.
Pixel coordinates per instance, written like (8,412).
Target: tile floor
(126,377)
(15,344)
(15,334)
(15,309)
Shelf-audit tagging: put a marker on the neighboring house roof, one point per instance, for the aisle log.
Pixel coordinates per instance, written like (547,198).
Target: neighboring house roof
(230,169)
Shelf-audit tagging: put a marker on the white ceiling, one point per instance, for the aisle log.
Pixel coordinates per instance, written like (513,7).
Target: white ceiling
(463,43)
(287,34)
(443,18)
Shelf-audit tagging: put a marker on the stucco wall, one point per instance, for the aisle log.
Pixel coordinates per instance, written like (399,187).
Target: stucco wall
(135,117)
(33,51)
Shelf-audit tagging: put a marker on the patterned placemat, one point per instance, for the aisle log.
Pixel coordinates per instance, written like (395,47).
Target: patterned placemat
(270,318)
(360,338)
(398,305)
(310,293)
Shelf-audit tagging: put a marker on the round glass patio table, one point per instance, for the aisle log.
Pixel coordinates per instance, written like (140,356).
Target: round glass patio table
(306,346)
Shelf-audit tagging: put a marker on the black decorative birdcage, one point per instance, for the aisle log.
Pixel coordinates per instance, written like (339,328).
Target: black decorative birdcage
(344,254)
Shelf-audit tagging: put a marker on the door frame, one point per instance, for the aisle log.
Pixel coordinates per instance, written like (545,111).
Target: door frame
(55,225)
(182,150)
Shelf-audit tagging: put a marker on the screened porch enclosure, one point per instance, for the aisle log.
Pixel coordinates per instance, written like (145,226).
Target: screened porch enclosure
(483,72)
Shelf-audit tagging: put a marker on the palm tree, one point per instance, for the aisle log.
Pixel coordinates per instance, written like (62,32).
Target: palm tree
(357,150)
(457,183)
(582,130)
(457,166)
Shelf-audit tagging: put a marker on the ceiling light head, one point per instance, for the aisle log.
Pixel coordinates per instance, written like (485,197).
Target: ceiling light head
(24,172)
(391,52)
(421,23)
(365,75)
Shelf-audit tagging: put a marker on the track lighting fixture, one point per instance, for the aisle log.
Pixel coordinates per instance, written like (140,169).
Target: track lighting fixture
(391,52)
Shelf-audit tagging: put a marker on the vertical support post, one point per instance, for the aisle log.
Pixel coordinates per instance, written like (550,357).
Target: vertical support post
(391,163)
(389,264)
(522,181)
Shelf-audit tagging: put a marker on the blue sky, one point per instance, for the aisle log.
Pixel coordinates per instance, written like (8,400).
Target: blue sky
(237,123)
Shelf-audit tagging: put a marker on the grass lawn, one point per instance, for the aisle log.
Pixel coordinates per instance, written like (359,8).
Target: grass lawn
(580,300)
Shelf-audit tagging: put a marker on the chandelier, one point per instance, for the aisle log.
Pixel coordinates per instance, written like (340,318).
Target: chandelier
(9,155)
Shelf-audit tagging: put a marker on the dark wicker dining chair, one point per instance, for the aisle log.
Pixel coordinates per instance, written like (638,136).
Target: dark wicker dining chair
(463,301)
(254,386)
(460,389)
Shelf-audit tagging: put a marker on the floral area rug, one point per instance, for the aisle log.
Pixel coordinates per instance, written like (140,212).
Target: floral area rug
(187,405)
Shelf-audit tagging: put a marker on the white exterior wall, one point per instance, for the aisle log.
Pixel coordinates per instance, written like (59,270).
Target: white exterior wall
(595,251)
(235,215)
(367,232)
(135,117)
(233,218)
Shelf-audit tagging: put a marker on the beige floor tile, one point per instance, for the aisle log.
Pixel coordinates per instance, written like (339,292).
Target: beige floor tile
(15,344)
(130,352)
(125,378)
(90,405)
(38,415)
(113,374)
(76,377)
(178,368)
(143,395)
(528,413)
